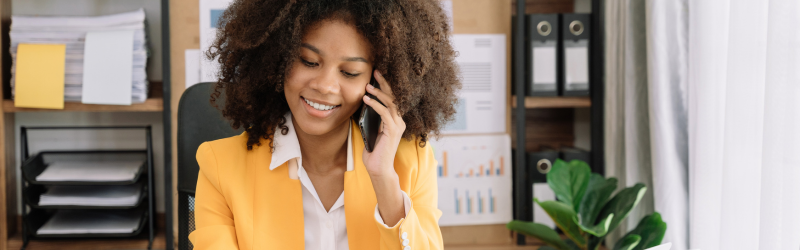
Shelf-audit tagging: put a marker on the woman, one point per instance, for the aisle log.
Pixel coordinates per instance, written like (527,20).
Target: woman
(294,74)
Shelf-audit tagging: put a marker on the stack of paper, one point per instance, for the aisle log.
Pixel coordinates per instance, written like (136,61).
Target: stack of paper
(91,171)
(76,33)
(101,196)
(92,222)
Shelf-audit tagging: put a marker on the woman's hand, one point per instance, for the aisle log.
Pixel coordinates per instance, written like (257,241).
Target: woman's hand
(380,162)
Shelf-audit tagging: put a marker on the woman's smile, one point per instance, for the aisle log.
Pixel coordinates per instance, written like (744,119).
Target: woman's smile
(318,108)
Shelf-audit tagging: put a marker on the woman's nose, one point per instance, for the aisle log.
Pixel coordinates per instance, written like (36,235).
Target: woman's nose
(326,82)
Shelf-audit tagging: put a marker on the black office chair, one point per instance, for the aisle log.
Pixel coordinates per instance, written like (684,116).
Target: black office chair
(198,122)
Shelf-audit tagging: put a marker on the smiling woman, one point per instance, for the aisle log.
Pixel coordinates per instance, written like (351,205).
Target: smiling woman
(294,73)
(261,41)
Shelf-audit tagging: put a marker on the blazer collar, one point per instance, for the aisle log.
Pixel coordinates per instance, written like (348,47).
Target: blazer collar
(287,147)
(278,201)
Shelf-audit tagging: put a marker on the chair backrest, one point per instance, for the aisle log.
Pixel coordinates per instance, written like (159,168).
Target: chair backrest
(198,122)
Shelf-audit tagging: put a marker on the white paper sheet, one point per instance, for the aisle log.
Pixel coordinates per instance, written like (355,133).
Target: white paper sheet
(210,10)
(577,66)
(112,195)
(192,66)
(107,67)
(91,171)
(91,222)
(474,179)
(544,65)
(542,192)
(482,100)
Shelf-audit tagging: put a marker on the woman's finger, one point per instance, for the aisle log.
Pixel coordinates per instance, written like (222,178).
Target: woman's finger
(386,116)
(386,99)
(386,89)
(382,82)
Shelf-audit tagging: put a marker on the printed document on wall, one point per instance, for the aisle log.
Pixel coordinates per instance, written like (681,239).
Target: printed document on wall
(474,179)
(481,104)
(210,12)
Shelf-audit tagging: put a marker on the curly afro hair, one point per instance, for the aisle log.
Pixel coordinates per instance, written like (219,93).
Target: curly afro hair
(259,40)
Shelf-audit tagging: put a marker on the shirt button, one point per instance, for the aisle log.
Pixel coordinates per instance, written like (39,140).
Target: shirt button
(404,235)
(329,224)
(405,243)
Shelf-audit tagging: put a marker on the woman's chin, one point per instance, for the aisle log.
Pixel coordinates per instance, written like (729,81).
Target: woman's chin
(316,128)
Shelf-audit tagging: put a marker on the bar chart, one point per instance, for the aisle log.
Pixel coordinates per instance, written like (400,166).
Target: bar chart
(484,204)
(489,171)
(473,179)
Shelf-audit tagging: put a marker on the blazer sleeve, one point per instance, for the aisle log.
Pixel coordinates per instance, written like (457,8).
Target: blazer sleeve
(214,228)
(419,230)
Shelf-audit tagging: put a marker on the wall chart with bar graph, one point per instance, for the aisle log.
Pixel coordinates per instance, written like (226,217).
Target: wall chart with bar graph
(474,177)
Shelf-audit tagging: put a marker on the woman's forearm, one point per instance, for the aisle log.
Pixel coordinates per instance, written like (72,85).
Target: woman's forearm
(390,198)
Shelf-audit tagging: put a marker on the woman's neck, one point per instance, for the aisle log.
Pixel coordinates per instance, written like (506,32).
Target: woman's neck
(323,154)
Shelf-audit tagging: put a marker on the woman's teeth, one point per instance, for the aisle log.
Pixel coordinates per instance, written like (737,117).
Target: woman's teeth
(318,106)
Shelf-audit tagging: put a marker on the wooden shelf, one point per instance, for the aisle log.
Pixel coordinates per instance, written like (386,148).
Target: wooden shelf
(554,102)
(149,105)
(15,242)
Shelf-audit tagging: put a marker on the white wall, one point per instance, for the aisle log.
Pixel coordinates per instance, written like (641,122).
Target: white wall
(87,140)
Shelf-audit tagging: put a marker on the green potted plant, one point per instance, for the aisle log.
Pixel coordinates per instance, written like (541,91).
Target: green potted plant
(586,211)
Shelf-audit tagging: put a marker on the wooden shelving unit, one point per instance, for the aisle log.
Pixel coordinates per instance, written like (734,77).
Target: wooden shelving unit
(15,242)
(150,105)
(158,101)
(544,115)
(554,102)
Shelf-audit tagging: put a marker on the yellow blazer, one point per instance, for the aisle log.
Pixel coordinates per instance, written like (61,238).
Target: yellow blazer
(241,204)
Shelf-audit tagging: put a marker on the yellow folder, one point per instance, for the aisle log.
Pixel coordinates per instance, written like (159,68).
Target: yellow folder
(39,76)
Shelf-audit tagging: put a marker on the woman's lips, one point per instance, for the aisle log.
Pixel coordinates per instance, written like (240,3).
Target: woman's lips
(318,113)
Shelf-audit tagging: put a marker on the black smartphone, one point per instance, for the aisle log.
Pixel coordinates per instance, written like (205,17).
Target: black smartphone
(370,121)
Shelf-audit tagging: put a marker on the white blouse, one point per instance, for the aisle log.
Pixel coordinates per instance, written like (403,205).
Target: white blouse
(325,230)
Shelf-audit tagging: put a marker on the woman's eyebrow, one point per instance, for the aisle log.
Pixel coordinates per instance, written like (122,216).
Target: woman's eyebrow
(347,59)
(354,59)
(311,47)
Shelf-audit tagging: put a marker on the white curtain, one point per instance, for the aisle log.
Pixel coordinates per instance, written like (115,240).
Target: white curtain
(646,109)
(744,124)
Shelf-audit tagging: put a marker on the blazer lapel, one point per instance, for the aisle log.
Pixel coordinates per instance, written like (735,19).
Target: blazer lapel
(359,200)
(278,204)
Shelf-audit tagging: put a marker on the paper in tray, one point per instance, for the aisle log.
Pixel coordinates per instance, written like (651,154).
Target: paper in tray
(91,222)
(112,195)
(91,171)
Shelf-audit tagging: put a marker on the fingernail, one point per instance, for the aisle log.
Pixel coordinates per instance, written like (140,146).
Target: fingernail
(366,96)
(369,86)
(378,73)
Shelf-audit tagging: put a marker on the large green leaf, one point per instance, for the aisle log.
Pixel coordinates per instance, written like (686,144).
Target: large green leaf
(651,228)
(541,232)
(597,194)
(594,242)
(599,230)
(547,248)
(569,181)
(571,245)
(628,242)
(564,217)
(622,204)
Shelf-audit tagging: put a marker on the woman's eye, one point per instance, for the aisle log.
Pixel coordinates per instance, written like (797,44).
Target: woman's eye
(307,63)
(350,75)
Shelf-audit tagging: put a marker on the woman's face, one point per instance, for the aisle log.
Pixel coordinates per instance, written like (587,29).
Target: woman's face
(326,83)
